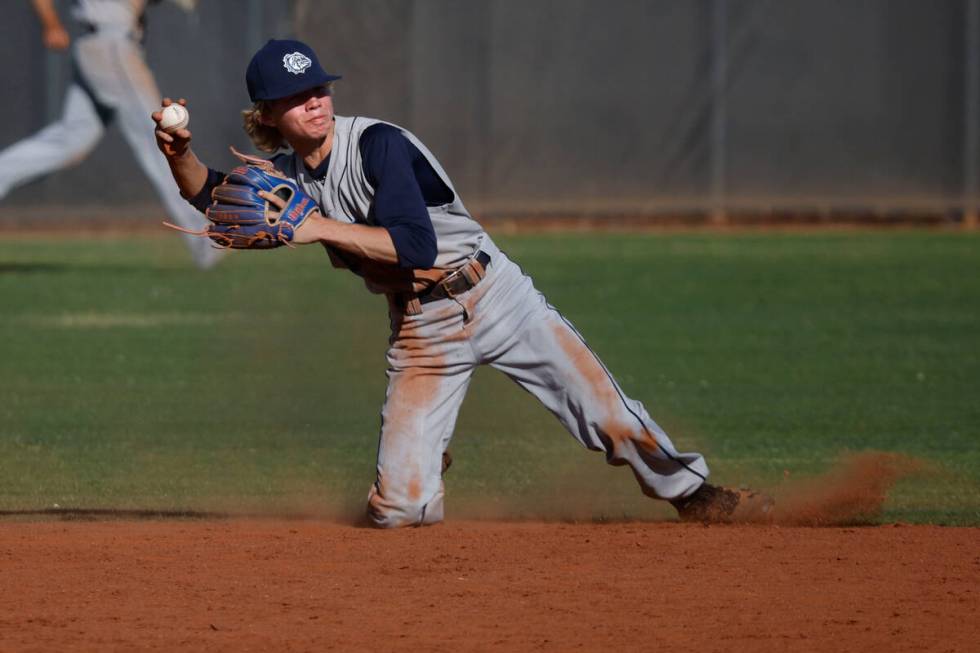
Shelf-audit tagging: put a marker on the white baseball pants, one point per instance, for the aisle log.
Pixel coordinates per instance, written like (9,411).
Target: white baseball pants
(504,322)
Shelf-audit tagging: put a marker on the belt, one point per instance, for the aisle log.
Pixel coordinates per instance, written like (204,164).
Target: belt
(458,281)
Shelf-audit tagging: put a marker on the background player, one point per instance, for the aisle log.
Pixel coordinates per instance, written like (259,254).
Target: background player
(389,212)
(110,81)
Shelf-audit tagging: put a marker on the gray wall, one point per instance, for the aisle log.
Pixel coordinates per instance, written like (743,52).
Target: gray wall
(582,106)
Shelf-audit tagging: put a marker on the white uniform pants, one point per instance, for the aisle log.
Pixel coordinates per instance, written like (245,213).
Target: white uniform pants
(114,70)
(511,327)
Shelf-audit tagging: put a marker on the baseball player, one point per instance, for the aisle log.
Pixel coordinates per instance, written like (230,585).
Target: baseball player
(381,204)
(110,80)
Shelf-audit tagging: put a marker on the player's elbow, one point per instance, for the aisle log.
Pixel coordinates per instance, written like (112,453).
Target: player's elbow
(417,248)
(427,253)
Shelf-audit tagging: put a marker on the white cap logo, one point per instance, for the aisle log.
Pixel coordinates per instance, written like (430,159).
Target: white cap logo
(296,63)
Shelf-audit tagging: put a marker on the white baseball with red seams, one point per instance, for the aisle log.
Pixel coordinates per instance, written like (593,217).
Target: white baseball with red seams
(174,117)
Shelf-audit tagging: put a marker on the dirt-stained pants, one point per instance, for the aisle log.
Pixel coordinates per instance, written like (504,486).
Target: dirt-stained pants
(506,323)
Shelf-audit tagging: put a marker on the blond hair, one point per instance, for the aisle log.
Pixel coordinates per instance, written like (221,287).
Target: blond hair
(264,137)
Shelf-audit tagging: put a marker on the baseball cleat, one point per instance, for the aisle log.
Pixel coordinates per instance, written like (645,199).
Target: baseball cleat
(713,504)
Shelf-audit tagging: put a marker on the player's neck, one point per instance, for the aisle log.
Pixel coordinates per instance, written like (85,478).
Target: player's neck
(314,152)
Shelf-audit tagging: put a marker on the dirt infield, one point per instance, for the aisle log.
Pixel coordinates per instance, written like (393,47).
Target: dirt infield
(314,585)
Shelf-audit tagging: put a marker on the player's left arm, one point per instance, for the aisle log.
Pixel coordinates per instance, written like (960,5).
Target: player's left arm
(358,240)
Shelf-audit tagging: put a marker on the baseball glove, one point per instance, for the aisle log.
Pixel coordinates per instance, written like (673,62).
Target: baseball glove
(241,218)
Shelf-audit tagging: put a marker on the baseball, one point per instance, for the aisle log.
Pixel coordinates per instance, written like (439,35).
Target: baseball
(174,117)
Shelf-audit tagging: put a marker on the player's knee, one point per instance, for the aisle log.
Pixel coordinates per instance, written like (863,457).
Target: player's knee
(77,146)
(74,138)
(391,510)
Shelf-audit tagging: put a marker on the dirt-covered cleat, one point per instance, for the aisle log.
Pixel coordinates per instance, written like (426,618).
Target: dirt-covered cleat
(712,504)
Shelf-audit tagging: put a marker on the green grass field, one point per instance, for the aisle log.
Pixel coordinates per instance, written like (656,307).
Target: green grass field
(130,380)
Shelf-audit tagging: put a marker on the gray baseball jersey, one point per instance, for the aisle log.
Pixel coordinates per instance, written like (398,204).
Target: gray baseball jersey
(502,321)
(111,81)
(345,194)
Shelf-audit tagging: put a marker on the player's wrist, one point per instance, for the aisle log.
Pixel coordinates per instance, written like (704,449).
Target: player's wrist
(315,229)
(183,156)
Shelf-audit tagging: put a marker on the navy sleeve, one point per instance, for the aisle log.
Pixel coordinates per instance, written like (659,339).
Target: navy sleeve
(399,203)
(202,200)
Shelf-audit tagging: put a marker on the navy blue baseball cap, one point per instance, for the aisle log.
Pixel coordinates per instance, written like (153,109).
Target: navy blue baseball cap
(282,68)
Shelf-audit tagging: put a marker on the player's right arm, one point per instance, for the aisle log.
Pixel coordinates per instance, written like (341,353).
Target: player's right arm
(190,174)
(55,35)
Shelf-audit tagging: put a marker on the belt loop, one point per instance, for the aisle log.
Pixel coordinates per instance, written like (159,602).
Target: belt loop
(470,275)
(413,306)
(473,271)
(405,303)
(479,269)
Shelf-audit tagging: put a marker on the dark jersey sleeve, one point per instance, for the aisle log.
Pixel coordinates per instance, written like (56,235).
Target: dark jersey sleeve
(404,184)
(202,200)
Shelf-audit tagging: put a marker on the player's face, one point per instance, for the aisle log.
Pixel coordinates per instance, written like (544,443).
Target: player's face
(306,116)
